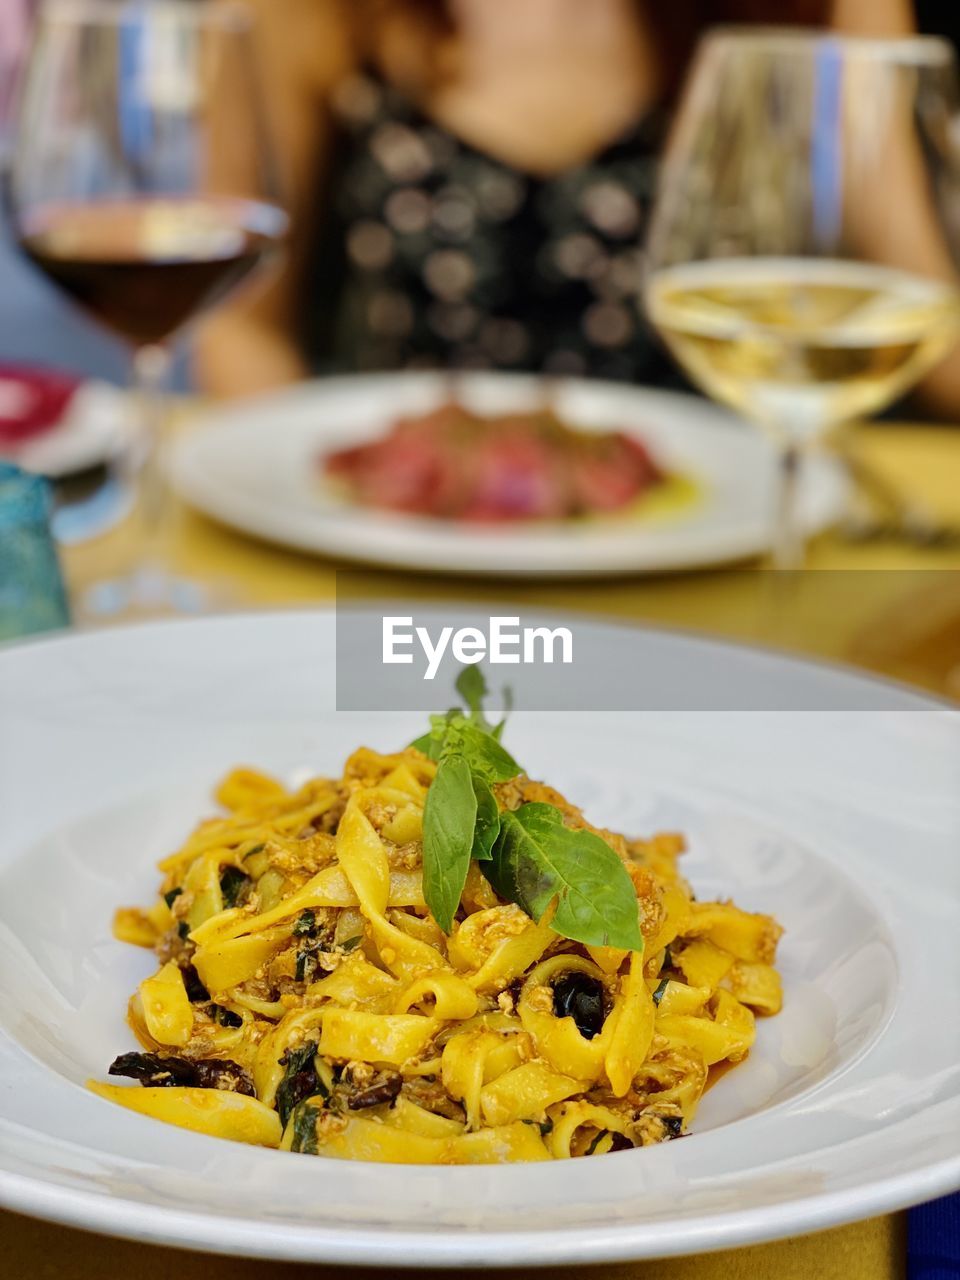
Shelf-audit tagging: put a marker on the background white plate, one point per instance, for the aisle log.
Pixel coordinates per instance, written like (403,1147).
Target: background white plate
(255,466)
(845,824)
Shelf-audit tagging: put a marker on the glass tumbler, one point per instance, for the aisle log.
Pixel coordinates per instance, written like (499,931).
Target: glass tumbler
(32,595)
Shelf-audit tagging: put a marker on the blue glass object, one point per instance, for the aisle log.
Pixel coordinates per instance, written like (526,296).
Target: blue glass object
(32,597)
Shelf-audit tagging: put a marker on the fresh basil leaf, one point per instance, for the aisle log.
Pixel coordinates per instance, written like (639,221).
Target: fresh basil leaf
(450,739)
(515,870)
(485,755)
(488,821)
(472,688)
(432,743)
(449,818)
(537,859)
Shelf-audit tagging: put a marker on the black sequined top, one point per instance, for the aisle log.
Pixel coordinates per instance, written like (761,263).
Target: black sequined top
(432,253)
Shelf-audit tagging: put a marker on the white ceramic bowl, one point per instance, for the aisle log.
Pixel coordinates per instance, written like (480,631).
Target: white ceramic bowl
(845,825)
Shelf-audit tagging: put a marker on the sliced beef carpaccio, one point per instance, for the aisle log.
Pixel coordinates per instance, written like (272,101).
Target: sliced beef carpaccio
(455,465)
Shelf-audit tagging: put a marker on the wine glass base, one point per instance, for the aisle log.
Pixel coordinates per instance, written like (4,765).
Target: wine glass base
(150,592)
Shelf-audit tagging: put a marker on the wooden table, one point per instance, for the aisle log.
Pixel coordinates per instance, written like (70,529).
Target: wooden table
(889,608)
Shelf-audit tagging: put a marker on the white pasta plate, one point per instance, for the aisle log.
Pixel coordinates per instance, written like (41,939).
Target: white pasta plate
(841,820)
(256,466)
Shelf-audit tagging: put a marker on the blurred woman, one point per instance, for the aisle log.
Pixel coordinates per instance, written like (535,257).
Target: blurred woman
(469,180)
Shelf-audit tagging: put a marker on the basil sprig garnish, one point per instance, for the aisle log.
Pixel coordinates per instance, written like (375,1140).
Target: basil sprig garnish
(529,855)
(488,821)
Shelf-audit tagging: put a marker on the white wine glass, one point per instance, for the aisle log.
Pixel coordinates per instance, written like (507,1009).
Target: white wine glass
(142,185)
(799,261)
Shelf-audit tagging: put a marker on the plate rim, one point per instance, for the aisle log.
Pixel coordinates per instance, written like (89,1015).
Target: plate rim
(924,699)
(473,1249)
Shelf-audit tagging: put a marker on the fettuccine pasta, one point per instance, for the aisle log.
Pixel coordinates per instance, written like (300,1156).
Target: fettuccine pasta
(306,998)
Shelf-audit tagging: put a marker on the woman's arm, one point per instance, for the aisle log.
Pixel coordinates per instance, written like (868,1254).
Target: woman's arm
(302,49)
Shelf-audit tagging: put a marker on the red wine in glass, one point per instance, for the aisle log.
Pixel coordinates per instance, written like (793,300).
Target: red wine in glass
(145,266)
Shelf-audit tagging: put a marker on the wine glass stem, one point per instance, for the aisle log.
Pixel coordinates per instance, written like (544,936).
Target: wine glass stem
(788,539)
(151,366)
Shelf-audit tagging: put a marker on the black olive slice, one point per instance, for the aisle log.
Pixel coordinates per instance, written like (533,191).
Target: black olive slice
(580,997)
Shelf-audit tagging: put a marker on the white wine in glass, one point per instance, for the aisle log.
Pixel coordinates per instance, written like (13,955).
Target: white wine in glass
(772,278)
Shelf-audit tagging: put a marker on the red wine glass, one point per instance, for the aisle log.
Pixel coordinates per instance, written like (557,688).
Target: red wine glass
(142,185)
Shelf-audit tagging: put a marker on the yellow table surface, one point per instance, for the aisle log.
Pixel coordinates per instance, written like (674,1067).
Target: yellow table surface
(39,1251)
(890,608)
